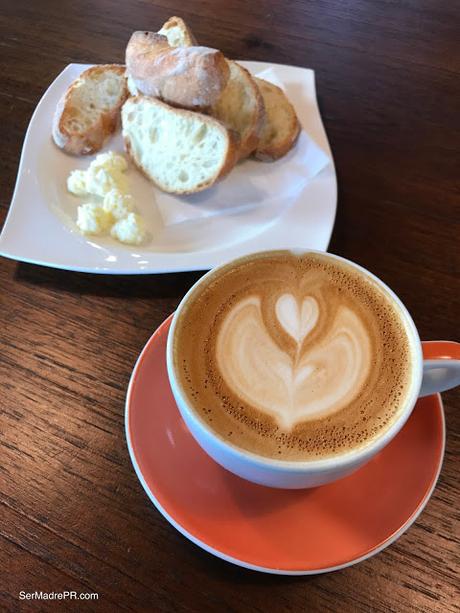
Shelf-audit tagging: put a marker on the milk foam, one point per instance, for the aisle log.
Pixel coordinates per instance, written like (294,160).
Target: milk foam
(297,322)
(319,380)
(293,357)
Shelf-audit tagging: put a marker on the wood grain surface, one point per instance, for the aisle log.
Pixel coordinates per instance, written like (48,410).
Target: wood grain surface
(73,516)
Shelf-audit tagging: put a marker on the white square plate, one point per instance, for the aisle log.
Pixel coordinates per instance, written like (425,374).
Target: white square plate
(40,226)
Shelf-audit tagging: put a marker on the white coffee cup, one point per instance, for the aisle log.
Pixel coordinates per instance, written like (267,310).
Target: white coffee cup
(428,377)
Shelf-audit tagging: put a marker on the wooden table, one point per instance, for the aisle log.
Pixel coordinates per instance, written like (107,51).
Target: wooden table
(73,515)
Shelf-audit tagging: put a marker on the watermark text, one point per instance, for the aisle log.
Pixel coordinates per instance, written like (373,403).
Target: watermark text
(66,595)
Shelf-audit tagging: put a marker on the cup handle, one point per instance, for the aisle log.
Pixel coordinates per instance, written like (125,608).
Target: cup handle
(441,366)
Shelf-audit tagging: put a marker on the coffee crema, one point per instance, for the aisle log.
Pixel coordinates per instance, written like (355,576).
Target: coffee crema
(293,357)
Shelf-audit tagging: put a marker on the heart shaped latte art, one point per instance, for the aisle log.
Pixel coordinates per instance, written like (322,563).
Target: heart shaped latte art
(319,381)
(298,322)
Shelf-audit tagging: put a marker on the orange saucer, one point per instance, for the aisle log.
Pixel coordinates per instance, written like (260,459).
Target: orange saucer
(271,530)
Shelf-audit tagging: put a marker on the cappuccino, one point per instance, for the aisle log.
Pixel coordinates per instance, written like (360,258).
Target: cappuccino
(293,357)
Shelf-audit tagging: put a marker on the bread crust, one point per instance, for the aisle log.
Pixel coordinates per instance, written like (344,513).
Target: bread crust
(250,140)
(187,77)
(271,150)
(177,22)
(228,163)
(92,140)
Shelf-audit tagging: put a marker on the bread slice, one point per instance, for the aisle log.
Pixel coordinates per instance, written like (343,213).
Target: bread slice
(281,126)
(241,108)
(143,48)
(187,77)
(180,151)
(178,33)
(89,110)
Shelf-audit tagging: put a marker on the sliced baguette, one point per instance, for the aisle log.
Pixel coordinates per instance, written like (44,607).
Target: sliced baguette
(89,111)
(181,151)
(241,108)
(187,77)
(178,33)
(281,126)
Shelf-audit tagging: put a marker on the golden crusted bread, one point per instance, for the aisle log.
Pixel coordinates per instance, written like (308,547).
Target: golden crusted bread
(281,126)
(181,151)
(89,111)
(187,77)
(241,108)
(178,33)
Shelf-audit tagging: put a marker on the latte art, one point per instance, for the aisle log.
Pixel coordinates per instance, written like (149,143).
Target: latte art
(292,357)
(315,381)
(297,322)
